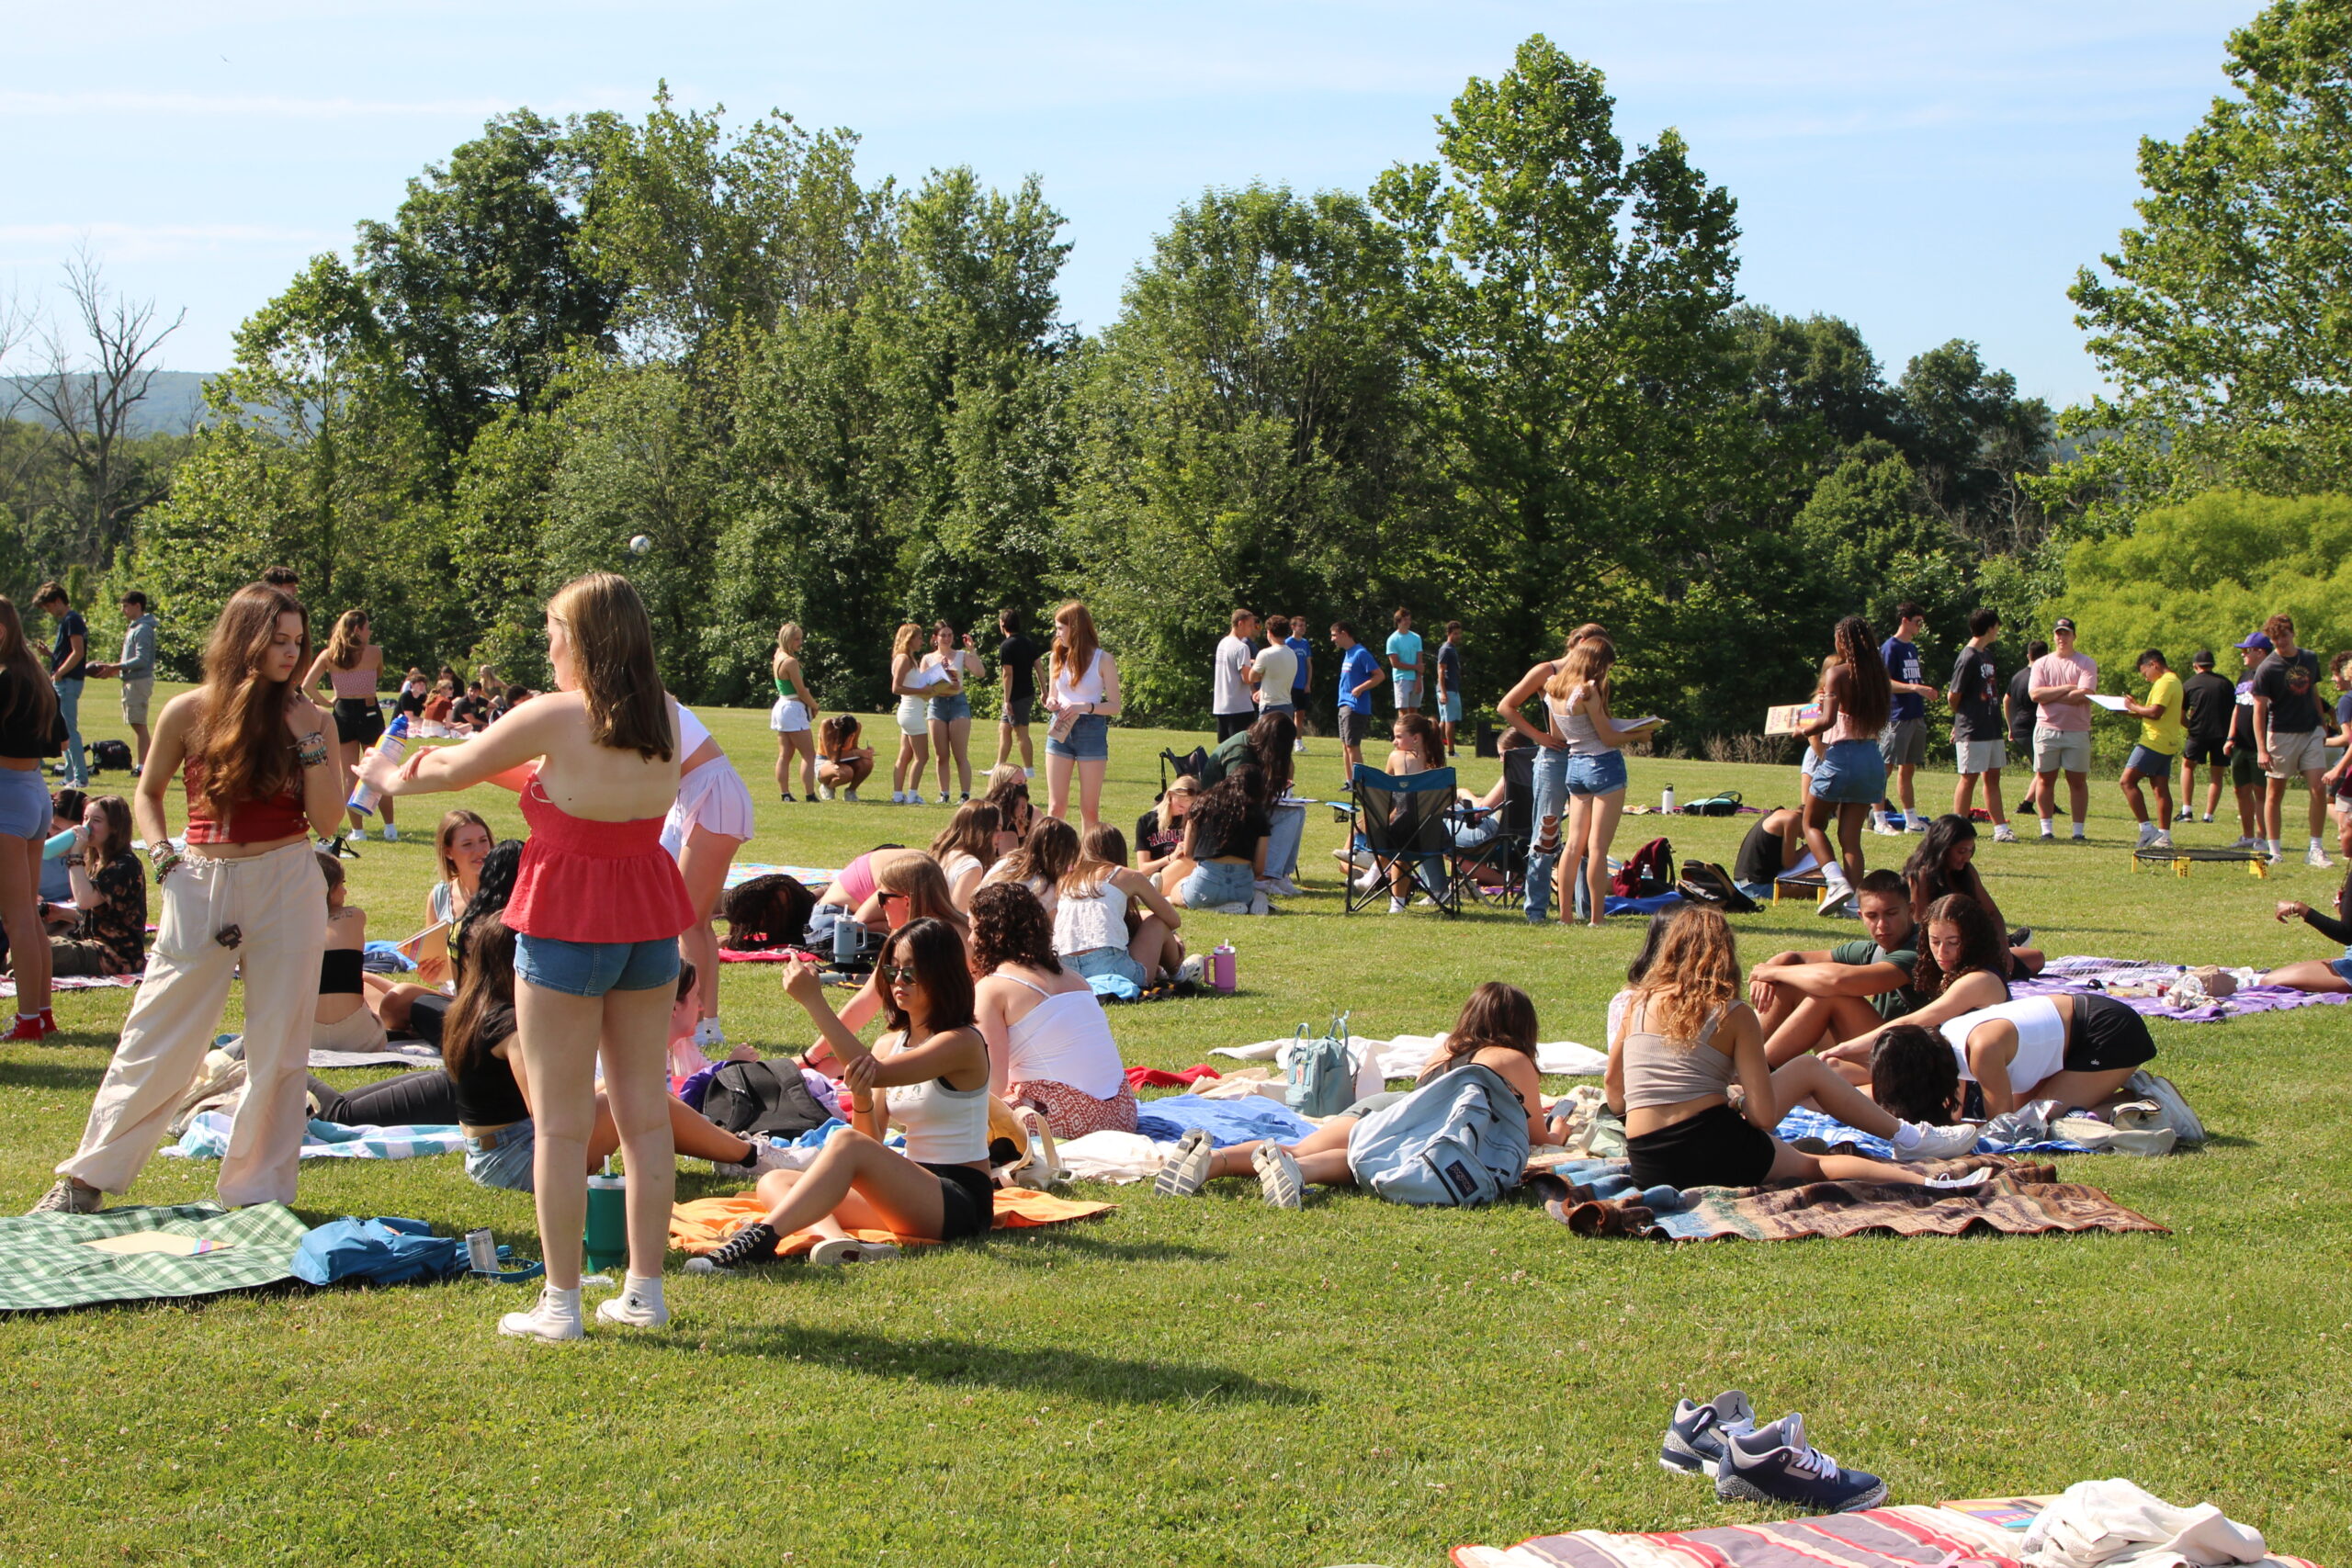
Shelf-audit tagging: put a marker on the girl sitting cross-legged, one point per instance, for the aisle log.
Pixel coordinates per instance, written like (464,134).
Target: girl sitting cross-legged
(931,1069)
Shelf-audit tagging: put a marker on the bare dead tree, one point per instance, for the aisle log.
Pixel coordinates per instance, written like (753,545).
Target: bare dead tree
(89,393)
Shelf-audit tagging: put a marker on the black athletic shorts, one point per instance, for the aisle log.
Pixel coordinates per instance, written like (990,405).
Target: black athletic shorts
(966,1201)
(1718,1147)
(2205,753)
(1016,711)
(358,719)
(2107,1036)
(2243,768)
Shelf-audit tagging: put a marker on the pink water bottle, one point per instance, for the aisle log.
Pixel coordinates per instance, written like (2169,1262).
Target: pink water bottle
(1221,967)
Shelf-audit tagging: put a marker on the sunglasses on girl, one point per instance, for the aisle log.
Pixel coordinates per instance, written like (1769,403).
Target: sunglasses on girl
(903,974)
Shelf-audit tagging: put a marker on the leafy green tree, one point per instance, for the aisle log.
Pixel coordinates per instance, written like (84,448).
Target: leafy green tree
(2222,320)
(1975,445)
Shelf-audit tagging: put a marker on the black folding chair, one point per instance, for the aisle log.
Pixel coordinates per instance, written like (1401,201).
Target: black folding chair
(1194,763)
(1401,824)
(1495,869)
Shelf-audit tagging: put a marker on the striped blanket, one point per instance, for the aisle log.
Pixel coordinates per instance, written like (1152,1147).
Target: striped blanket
(207,1138)
(2022,1203)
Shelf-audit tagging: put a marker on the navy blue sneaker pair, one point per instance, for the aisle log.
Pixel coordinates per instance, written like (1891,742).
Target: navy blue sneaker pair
(1762,1464)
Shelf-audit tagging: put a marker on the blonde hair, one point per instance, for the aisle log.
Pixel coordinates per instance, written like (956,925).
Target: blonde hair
(784,637)
(908,644)
(1074,650)
(612,638)
(924,884)
(1587,663)
(1693,979)
(342,643)
(1184,781)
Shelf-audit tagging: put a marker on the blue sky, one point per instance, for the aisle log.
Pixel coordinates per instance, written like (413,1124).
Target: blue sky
(1927,170)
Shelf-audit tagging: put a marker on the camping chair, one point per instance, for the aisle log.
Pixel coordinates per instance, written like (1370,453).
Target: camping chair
(1401,821)
(1195,762)
(1495,871)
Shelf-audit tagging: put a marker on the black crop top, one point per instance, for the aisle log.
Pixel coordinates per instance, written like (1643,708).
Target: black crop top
(20,737)
(339,971)
(486,1091)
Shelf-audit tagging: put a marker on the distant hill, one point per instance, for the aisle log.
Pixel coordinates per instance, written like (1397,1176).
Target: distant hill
(175,400)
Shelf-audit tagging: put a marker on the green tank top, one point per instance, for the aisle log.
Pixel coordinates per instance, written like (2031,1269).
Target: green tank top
(783,687)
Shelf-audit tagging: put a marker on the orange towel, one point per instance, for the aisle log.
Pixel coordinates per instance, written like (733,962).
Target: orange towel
(699,1227)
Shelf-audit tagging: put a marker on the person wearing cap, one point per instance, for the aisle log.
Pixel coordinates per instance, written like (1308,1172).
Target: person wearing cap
(2061,685)
(2207,700)
(2245,771)
(2164,735)
(2289,736)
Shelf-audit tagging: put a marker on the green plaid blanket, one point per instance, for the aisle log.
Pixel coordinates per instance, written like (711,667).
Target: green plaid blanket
(43,1265)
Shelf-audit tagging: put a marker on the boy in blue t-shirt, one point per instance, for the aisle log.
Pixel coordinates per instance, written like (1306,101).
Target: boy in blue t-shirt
(1404,660)
(1296,642)
(1359,673)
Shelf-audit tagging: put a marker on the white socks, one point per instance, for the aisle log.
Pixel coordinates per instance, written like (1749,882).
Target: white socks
(556,1317)
(639,1305)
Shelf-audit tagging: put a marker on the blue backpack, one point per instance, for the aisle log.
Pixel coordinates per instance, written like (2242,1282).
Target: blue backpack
(1458,1140)
(1322,1074)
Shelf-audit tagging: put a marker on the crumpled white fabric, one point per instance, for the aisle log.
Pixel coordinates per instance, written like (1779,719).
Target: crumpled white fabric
(1113,1157)
(1405,1055)
(2096,1524)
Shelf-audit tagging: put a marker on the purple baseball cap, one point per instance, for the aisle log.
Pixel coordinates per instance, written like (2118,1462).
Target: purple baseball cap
(2259,639)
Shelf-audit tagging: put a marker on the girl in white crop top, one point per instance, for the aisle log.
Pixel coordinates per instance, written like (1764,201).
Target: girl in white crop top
(932,1069)
(1049,1041)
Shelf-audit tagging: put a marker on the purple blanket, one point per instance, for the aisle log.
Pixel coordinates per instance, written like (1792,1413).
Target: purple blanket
(2081,974)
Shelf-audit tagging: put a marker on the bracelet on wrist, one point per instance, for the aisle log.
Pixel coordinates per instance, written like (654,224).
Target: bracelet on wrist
(311,750)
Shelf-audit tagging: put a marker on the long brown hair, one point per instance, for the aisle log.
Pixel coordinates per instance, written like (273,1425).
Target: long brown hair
(240,729)
(1981,946)
(1416,734)
(446,838)
(115,812)
(31,695)
(486,981)
(1694,978)
(919,880)
(1074,650)
(1046,856)
(972,829)
(342,643)
(1587,663)
(1104,850)
(1496,1015)
(1867,697)
(612,639)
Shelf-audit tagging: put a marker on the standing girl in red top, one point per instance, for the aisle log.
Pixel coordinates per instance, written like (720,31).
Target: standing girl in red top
(598,909)
(244,899)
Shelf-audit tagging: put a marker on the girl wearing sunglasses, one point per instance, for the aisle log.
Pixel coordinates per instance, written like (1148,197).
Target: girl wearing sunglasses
(929,1073)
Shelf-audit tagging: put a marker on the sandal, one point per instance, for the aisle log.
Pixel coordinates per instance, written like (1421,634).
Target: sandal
(1278,1178)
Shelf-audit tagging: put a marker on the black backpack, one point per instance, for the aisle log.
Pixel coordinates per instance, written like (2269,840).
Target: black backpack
(106,754)
(1705,882)
(761,1097)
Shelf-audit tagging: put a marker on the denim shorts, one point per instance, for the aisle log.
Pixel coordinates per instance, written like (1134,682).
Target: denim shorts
(24,802)
(2148,763)
(2342,967)
(592,968)
(1851,773)
(1106,961)
(1283,708)
(1089,740)
(1604,774)
(1216,883)
(949,708)
(502,1158)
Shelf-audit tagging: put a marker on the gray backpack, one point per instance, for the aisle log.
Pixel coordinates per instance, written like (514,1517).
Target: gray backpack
(1460,1139)
(1322,1074)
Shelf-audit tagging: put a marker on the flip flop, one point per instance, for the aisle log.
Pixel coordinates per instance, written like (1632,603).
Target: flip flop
(849,1249)
(1278,1177)
(1187,1171)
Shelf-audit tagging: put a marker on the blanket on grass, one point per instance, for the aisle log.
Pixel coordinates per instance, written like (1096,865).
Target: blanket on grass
(816,879)
(1226,1121)
(44,1266)
(2080,972)
(769,955)
(78,983)
(700,1226)
(401,1054)
(1806,1122)
(1404,1055)
(207,1138)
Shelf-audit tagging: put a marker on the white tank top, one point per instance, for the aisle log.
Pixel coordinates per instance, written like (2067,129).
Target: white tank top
(1577,728)
(944,1125)
(1065,1039)
(1087,688)
(1081,925)
(2041,1039)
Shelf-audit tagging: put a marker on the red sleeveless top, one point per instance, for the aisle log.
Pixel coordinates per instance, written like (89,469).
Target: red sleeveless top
(584,881)
(250,822)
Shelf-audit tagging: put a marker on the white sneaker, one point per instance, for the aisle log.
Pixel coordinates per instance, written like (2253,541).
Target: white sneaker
(1885,828)
(1835,897)
(708,1034)
(824,792)
(1916,1141)
(1396,906)
(391,833)
(843,1249)
(2160,842)
(1028,772)
(2243,842)
(1917,824)
(633,1311)
(2274,857)
(2315,856)
(555,1318)
(1278,1179)
(2148,831)
(850,794)
(2003,835)
(1299,746)
(357,835)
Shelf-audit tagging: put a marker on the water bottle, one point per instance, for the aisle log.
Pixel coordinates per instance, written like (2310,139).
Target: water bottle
(1223,966)
(391,747)
(57,844)
(605,1242)
(847,933)
(1667,803)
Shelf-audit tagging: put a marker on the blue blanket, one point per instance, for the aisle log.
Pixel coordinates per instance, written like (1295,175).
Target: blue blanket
(1806,1122)
(1226,1120)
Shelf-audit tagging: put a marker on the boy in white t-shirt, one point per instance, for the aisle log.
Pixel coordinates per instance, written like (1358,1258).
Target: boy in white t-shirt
(1274,671)
(1232,702)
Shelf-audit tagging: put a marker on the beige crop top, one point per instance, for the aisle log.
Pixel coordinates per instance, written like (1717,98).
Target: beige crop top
(1658,1072)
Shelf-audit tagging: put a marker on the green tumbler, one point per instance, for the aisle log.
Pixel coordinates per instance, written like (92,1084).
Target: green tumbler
(606,1243)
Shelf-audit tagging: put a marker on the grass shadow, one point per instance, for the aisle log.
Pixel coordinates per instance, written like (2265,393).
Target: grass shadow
(953,1360)
(61,1076)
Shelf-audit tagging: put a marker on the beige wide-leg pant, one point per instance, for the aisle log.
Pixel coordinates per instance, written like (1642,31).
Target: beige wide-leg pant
(278,902)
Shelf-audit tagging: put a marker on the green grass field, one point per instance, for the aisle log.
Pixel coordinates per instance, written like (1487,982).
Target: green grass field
(1213,1382)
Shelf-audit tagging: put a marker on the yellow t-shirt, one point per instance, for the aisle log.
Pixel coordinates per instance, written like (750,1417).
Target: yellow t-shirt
(2167,732)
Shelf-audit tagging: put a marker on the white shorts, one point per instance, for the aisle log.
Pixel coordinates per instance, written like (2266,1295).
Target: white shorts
(712,798)
(789,716)
(914,716)
(1980,756)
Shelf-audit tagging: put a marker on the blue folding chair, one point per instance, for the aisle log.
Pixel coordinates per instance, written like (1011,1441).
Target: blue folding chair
(1401,822)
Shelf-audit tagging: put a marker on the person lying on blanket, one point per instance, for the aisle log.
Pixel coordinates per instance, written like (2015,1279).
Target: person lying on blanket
(2322,974)
(2078,1049)
(932,1067)
(488,1081)
(1961,967)
(1808,1000)
(1687,1041)
(1497,1030)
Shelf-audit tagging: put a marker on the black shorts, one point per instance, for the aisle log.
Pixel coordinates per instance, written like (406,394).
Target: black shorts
(360,720)
(1230,725)
(1354,726)
(2205,753)
(2244,768)
(966,1201)
(2106,1036)
(1718,1147)
(1016,711)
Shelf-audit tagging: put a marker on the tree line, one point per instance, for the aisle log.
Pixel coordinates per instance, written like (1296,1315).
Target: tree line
(1513,384)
